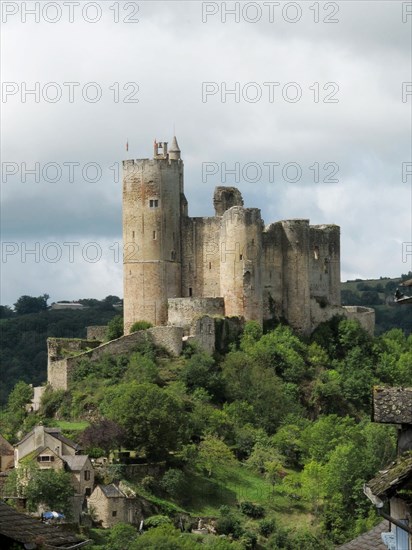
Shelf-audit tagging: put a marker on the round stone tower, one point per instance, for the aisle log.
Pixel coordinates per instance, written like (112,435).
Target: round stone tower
(152,197)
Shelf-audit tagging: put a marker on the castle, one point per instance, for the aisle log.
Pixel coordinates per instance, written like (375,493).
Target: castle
(201,278)
(177,268)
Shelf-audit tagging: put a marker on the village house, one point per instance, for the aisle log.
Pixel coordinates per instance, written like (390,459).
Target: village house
(52,450)
(391,489)
(111,504)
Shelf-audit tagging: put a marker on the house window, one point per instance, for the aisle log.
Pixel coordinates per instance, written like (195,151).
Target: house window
(114,513)
(154,203)
(87,492)
(45,458)
(87,475)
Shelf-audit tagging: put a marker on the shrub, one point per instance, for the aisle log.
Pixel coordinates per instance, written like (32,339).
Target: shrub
(229,524)
(156,521)
(252,510)
(115,328)
(140,325)
(266,527)
(174,483)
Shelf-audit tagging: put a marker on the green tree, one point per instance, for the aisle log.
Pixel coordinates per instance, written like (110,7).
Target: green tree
(50,488)
(30,304)
(213,453)
(115,328)
(153,420)
(121,536)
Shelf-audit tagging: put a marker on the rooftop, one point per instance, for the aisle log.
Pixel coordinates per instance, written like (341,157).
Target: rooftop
(393,478)
(371,540)
(392,405)
(29,531)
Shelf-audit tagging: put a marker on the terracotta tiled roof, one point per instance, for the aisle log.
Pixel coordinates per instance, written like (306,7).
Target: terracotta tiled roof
(368,541)
(27,530)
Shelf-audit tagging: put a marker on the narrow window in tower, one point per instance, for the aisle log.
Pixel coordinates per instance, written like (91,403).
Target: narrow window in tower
(241,257)
(173,255)
(190,292)
(210,265)
(154,235)
(316,253)
(133,234)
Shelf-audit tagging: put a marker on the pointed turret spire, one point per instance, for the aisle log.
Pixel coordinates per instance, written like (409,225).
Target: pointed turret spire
(174,151)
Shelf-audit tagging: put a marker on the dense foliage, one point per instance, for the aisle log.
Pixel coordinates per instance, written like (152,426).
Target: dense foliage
(23,334)
(285,419)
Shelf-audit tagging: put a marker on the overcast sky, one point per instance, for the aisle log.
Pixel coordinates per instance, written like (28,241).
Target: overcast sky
(319,92)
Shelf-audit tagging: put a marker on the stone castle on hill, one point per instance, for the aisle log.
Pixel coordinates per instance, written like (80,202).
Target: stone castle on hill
(177,268)
(201,278)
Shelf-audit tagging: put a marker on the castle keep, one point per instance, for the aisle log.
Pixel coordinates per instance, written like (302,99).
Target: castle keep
(178,268)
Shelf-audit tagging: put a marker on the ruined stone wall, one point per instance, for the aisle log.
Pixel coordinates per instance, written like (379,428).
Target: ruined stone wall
(201,257)
(184,311)
(203,331)
(60,371)
(272,271)
(324,263)
(97,332)
(151,238)
(296,292)
(241,262)
(365,316)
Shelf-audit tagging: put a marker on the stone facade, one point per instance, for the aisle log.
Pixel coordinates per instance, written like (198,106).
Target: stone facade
(289,269)
(111,504)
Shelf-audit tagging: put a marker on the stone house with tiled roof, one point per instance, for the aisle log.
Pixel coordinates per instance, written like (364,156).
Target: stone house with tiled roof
(41,436)
(52,450)
(391,489)
(113,503)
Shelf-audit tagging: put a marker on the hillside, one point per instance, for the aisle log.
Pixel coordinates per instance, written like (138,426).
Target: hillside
(271,441)
(378,293)
(23,348)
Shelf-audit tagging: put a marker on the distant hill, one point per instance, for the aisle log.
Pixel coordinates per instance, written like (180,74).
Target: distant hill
(378,293)
(23,349)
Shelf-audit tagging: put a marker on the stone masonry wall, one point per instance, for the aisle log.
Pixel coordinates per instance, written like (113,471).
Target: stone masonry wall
(97,332)
(60,370)
(183,311)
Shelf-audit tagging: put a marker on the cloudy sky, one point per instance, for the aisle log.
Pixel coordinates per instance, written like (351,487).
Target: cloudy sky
(318,125)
